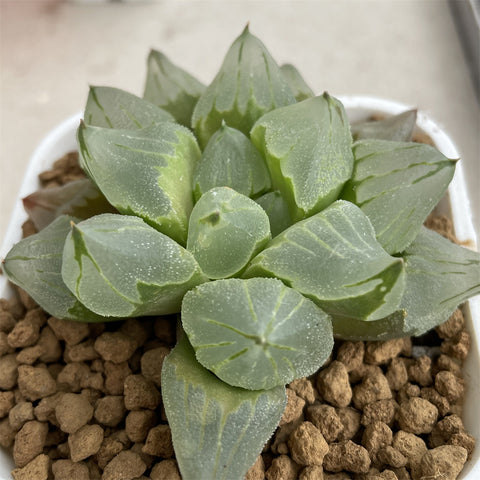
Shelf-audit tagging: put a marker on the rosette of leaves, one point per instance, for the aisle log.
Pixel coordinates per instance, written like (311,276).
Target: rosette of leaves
(247,208)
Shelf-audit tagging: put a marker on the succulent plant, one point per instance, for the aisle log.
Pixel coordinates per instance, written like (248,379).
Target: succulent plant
(247,208)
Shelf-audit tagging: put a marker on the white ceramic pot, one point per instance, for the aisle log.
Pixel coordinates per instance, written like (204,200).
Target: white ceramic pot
(455,204)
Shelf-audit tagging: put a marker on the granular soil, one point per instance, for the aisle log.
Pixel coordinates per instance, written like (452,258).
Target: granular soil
(80,401)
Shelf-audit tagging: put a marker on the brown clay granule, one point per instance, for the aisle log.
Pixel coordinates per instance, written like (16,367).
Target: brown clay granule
(307,445)
(81,401)
(37,468)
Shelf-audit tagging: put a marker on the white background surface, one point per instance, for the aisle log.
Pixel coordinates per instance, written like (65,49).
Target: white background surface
(406,50)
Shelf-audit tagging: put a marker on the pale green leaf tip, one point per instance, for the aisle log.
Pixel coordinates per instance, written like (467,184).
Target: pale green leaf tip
(76,230)
(157,53)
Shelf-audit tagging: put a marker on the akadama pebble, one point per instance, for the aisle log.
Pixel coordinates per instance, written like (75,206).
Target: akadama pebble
(85,442)
(334,385)
(169,469)
(307,445)
(29,442)
(73,411)
(347,456)
(36,469)
(127,465)
(447,459)
(417,415)
(65,469)
(326,419)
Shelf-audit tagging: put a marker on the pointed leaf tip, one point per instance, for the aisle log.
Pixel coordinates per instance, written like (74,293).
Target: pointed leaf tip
(248,85)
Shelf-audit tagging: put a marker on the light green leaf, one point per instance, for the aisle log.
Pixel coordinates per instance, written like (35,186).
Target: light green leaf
(119,266)
(80,198)
(35,264)
(147,172)
(231,160)
(256,333)
(226,230)
(297,84)
(114,108)
(334,259)
(398,128)
(248,85)
(218,431)
(171,88)
(397,185)
(277,210)
(439,276)
(308,151)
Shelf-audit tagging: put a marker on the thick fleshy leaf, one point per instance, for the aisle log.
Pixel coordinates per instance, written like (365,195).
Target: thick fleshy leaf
(231,160)
(308,151)
(256,333)
(248,85)
(117,265)
(397,185)
(147,172)
(334,259)
(218,430)
(114,108)
(225,231)
(35,264)
(439,276)
(80,199)
(398,128)
(277,210)
(171,88)
(299,87)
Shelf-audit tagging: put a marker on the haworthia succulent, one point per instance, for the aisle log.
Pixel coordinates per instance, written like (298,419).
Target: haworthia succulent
(171,88)
(114,108)
(308,151)
(256,333)
(231,160)
(277,210)
(147,172)
(439,276)
(248,85)
(299,87)
(226,230)
(397,184)
(80,198)
(35,264)
(334,259)
(218,431)
(118,265)
(398,128)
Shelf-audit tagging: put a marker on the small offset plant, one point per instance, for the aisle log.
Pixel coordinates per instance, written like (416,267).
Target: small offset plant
(247,208)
